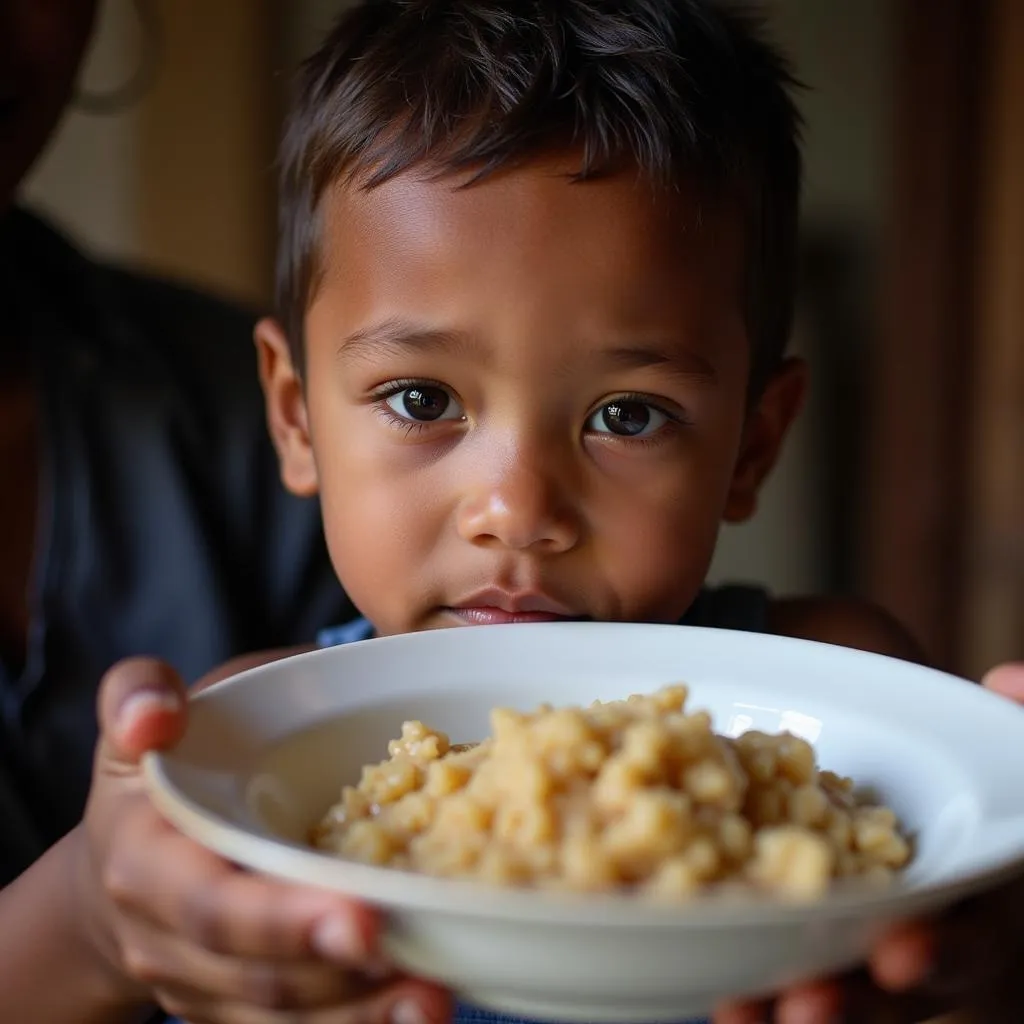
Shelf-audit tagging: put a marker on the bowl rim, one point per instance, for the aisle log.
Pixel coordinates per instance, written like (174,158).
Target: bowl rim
(397,890)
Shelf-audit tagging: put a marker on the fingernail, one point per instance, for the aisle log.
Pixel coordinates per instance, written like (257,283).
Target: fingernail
(408,1011)
(145,703)
(338,938)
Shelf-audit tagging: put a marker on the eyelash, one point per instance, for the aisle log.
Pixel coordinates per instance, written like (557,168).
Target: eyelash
(396,387)
(676,418)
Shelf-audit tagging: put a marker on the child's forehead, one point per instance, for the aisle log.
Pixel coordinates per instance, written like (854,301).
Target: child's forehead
(537,208)
(576,268)
(607,253)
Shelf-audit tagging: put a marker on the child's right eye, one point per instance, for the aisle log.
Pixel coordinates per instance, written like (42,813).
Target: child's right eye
(424,403)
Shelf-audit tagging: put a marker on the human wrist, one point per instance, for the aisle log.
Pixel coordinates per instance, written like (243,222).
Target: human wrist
(96,947)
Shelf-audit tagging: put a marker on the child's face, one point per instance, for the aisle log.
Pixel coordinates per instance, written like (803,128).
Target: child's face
(524,400)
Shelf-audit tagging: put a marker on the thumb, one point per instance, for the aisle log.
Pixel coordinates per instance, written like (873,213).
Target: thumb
(141,708)
(1007,680)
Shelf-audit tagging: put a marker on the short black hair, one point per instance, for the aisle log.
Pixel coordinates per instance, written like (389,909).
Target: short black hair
(684,90)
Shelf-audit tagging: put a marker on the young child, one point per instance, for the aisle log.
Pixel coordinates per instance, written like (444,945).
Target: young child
(536,279)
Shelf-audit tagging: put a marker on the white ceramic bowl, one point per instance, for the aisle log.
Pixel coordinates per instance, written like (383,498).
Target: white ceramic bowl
(268,751)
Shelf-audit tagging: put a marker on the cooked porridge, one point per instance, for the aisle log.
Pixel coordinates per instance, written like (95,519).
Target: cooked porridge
(636,794)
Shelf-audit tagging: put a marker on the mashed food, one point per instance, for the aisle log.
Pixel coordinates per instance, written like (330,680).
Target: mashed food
(634,795)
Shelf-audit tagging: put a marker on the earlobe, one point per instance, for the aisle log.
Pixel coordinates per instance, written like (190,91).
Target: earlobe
(287,417)
(767,426)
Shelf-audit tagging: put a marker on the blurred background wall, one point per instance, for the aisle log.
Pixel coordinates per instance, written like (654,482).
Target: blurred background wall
(182,181)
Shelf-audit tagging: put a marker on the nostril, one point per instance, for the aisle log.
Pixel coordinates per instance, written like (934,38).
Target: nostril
(486,540)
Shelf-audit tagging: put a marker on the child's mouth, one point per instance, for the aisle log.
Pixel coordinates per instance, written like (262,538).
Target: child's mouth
(494,606)
(489,616)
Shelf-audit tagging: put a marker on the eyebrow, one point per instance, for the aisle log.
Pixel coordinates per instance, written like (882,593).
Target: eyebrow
(398,337)
(682,363)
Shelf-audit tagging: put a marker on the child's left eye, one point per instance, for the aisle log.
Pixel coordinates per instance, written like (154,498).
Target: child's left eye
(424,403)
(627,418)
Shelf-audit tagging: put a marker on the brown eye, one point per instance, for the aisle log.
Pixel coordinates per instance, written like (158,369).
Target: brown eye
(424,403)
(626,418)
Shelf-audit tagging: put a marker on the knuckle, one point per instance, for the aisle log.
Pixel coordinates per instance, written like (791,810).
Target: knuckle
(269,988)
(201,919)
(142,966)
(373,1012)
(118,880)
(174,1006)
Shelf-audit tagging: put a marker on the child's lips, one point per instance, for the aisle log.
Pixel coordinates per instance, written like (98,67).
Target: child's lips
(494,607)
(490,616)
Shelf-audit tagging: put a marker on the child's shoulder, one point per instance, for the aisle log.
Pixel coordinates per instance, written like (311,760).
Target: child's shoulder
(848,622)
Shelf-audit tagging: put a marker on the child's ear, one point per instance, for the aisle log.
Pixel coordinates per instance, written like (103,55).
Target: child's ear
(767,425)
(286,409)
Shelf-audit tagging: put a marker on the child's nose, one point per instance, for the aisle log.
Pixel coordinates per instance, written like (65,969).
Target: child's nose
(527,506)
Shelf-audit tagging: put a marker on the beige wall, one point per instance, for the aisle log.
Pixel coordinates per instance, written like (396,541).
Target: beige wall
(841,52)
(183,181)
(87,181)
(206,143)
